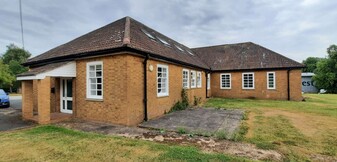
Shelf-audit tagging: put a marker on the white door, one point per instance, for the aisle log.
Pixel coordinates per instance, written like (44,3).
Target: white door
(66,98)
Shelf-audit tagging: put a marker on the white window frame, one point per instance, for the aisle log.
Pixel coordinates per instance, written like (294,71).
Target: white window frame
(208,81)
(274,80)
(230,81)
(199,80)
(163,94)
(89,96)
(243,84)
(193,78)
(188,78)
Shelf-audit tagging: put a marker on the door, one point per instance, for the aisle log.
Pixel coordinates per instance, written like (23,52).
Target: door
(66,98)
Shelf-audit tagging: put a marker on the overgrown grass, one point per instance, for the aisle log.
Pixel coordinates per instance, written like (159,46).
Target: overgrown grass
(322,104)
(51,143)
(297,129)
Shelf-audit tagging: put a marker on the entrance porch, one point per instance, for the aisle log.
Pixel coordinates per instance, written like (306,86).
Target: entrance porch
(47,96)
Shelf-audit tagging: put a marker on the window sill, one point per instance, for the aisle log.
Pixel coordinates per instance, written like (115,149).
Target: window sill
(225,88)
(248,88)
(161,96)
(94,99)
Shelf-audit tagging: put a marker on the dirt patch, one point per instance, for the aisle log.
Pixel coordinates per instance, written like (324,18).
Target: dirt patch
(250,123)
(206,144)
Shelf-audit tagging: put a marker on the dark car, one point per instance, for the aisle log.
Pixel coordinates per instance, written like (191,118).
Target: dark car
(4,99)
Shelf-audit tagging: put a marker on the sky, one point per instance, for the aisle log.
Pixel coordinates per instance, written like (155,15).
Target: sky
(296,29)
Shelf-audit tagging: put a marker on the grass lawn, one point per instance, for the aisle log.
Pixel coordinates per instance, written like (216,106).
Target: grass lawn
(51,143)
(299,130)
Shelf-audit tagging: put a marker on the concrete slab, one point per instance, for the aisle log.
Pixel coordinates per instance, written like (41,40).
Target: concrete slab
(198,120)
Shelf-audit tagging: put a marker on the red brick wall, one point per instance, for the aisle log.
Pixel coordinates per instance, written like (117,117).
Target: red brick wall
(260,91)
(123,91)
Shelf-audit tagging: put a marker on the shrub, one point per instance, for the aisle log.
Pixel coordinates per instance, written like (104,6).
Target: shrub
(181,105)
(197,101)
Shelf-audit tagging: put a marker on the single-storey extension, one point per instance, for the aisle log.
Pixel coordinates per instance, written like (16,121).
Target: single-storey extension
(125,73)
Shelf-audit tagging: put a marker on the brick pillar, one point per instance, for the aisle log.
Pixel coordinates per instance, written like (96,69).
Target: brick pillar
(27,99)
(43,102)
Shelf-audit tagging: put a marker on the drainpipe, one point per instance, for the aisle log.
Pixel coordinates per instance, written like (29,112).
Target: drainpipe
(288,80)
(145,86)
(206,73)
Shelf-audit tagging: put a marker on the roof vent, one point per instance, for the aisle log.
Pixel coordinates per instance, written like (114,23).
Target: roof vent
(163,41)
(180,49)
(148,34)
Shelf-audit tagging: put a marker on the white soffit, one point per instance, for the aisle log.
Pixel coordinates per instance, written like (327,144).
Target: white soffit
(66,70)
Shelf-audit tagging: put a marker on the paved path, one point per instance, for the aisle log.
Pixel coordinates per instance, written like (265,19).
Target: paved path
(10,118)
(16,102)
(198,120)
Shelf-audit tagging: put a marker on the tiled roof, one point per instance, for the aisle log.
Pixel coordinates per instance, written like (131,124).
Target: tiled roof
(106,37)
(121,33)
(132,34)
(243,56)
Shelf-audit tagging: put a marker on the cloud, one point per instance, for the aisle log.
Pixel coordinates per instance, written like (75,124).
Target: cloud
(296,29)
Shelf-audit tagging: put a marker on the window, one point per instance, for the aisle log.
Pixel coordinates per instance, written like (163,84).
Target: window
(95,80)
(247,80)
(148,34)
(199,79)
(271,80)
(208,81)
(225,81)
(186,79)
(162,80)
(193,79)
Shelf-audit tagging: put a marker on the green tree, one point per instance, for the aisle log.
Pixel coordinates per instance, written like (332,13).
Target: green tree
(311,64)
(13,58)
(6,78)
(15,53)
(326,71)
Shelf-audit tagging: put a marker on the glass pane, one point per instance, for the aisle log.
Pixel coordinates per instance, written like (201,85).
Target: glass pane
(99,93)
(99,86)
(69,88)
(93,92)
(98,73)
(99,80)
(92,68)
(92,80)
(159,69)
(93,87)
(63,88)
(63,104)
(69,105)
(98,67)
(91,74)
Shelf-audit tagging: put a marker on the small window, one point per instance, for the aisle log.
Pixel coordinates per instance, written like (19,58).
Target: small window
(179,48)
(163,41)
(162,80)
(190,52)
(271,80)
(95,80)
(225,81)
(186,79)
(199,78)
(247,80)
(148,34)
(208,81)
(193,79)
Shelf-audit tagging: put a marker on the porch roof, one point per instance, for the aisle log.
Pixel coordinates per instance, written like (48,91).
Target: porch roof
(61,69)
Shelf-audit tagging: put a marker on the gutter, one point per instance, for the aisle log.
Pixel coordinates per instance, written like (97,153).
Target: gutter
(288,80)
(145,86)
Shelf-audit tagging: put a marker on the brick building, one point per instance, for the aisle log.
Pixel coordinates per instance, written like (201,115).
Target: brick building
(126,72)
